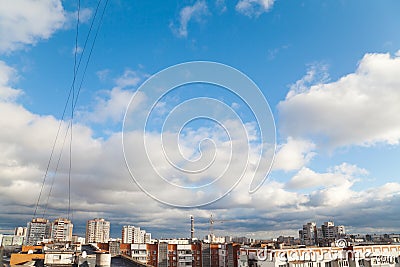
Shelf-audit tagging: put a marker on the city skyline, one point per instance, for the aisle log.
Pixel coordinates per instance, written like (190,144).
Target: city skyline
(328,70)
(308,233)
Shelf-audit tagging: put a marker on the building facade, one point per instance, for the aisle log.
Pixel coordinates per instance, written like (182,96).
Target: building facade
(37,230)
(360,256)
(97,231)
(61,230)
(311,235)
(135,235)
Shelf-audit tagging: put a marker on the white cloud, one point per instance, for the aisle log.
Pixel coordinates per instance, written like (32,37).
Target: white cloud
(294,154)
(360,108)
(336,176)
(130,78)
(77,50)
(101,185)
(111,105)
(71,17)
(254,8)
(103,74)
(25,22)
(317,74)
(221,5)
(197,11)
(7,75)
(235,105)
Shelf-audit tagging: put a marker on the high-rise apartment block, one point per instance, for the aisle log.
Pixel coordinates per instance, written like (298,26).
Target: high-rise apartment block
(97,231)
(37,230)
(309,234)
(61,230)
(134,235)
(312,235)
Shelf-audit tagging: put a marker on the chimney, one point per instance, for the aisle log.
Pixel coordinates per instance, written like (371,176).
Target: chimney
(191,227)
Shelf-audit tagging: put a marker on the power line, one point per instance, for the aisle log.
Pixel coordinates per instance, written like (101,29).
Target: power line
(55,171)
(72,111)
(73,106)
(91,50)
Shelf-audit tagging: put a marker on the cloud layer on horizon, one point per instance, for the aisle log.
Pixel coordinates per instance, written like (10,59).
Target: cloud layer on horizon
(106,190)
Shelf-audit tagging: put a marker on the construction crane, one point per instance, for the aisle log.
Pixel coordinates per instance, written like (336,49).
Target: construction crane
(213,221)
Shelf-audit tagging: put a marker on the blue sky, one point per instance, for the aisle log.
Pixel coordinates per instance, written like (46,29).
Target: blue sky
(328,69)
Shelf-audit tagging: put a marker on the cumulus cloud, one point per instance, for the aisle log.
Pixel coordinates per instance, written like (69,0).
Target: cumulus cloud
(337,176)
(294,154)
(129,78)
(254,8)
(195,12)
(360,108)
(102,186)
(71,17)
(24,22)
(111,105)
(7,75)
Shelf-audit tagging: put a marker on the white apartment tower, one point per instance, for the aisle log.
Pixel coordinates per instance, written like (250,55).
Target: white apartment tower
(61,230)
(97,231)
(127,234)
(134,235)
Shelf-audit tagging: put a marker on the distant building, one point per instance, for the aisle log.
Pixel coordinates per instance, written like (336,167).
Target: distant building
(37,230)
(311,235)
(308,235)
(147,238)
(134,235)
(286,240)
(358,256)
(20,231)
(61,230)
(127,234)
(242,240)
(97,231)
(78,239)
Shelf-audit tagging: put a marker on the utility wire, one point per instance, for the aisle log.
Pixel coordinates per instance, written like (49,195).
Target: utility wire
(73,102)
(91,50)
(55,172)
(72,110)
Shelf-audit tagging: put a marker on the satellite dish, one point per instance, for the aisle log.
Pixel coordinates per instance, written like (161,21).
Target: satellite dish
(84,254)
(30,251)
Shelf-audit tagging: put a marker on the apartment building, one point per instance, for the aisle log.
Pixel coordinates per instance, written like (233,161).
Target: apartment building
(97,231)
(61,230)
(135,235)
(311,235)
(37,230)
(360,256)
